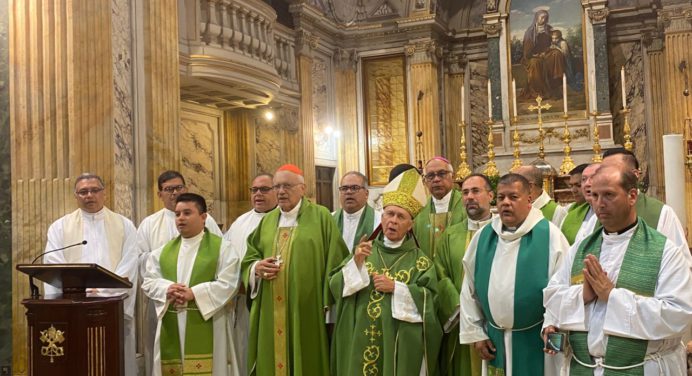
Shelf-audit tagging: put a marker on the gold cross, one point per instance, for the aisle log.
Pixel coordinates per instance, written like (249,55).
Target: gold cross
(373,333)
(541,134)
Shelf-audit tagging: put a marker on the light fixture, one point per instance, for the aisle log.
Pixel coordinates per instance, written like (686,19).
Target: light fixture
(269,115)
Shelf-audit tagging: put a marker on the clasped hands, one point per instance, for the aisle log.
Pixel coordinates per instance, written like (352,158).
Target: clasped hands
(381,282)
(179,294)
(597,285)
(267,268)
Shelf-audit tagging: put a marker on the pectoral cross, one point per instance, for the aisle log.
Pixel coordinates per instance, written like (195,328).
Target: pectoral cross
(541,133)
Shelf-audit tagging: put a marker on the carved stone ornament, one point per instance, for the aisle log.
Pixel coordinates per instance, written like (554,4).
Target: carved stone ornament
(456,64)
(492,29)
(491,6)
(51,338)
(346,59)
(598,16)
(306,41)
(410,49)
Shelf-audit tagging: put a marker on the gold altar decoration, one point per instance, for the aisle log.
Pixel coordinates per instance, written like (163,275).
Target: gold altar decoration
(491,167)
(515,143)
(597,158)
(463,170)
(567,162)
(541,133)
(626,129)
(52,337)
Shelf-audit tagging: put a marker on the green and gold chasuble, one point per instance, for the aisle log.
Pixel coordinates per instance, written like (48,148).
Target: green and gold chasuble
(365,224)
(455,359)
(532,276)
(639,274)
(368,340)
(199,334)
(648,209)
(573,221)
(288,334)
(428,225)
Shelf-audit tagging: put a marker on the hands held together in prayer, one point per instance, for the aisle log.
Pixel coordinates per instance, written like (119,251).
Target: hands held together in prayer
(596,281)
(381,282)
(179,294)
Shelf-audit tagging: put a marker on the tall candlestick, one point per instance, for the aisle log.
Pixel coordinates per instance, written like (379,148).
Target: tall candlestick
(463,104)
(490,102)
(514,97)
(564,92)
(624,93)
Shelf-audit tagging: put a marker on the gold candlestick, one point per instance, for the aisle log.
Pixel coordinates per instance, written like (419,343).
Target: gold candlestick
(419,151)
(567,162)
(491,167)
(626,129)
(463,170)
(515,143)
(541,132)
(596,138)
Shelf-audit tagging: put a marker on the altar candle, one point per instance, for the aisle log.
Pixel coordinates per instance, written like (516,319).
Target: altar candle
(490,102)
(514,97)
(622,81)
(463,112)
(564,92)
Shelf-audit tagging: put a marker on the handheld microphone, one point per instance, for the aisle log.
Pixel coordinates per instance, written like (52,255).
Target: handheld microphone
(83,242)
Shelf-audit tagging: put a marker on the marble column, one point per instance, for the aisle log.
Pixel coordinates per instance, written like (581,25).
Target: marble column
(305,44)
(70,108)
(677,23)
(492,25)
(5,199)
(454,80)
(422,59)
(345,63)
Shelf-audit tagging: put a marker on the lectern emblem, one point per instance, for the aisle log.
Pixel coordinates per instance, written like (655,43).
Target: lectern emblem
(51,337)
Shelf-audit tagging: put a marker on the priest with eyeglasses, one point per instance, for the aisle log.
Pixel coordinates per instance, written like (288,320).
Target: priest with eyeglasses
(356,218)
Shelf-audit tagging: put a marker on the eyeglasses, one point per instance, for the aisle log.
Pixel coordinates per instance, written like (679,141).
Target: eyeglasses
(351,188)
(173,188)
(86,192)
(440,174)
(284,186)
(260,189)
(474,191)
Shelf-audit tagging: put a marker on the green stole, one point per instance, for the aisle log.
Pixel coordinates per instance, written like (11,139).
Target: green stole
(199,333)
(639,274)
(649,209)
(365,224)
(548,210)
(531,278)
(428,225)
(573,221)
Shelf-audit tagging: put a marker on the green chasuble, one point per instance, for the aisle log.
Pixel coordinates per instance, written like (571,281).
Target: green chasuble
(548,210)
(649,209)
(368,340)
(428,225)
(288,334)
(639,274)
(365,224)
(455,359)
(573,221)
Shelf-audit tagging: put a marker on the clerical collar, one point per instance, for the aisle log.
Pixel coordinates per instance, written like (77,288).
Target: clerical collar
(94,216)
(293,212)
(442,205)
(475,225)
(620,232)
(390,244)
(194,238)
(355,215)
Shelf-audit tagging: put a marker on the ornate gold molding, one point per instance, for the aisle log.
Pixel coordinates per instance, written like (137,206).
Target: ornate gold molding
(51,338)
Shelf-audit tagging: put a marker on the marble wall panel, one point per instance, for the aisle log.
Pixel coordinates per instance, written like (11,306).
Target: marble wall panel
(275,141)
(123,127)
(478,109)
(630,56)
(325,147)
(199,151)
(5,199)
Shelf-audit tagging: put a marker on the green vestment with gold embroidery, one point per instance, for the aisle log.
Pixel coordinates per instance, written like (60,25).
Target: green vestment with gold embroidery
(288,334)
(428,225)
(367,339)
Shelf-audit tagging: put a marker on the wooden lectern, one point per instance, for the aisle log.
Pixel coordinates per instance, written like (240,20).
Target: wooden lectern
(75,333)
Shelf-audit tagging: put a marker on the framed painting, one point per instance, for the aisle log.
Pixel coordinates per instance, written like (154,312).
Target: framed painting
(546,42)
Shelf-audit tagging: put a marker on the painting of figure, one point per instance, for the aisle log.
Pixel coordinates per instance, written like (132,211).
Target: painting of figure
(546,42)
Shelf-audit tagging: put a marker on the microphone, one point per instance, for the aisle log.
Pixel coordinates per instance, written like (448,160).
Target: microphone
(83,242)
(32,287)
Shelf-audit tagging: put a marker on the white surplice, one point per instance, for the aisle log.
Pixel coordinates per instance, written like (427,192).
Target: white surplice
(211,299)
(560,211)
(350,223)
(239,317)
(660,319)
(154,232)
(501,284)
(96,252)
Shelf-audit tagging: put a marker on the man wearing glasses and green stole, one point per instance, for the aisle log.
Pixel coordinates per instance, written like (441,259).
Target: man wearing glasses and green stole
(190,280)
(286,274)
(356,218)
(506,267)
(443,209)
(386,316)
(624,296)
